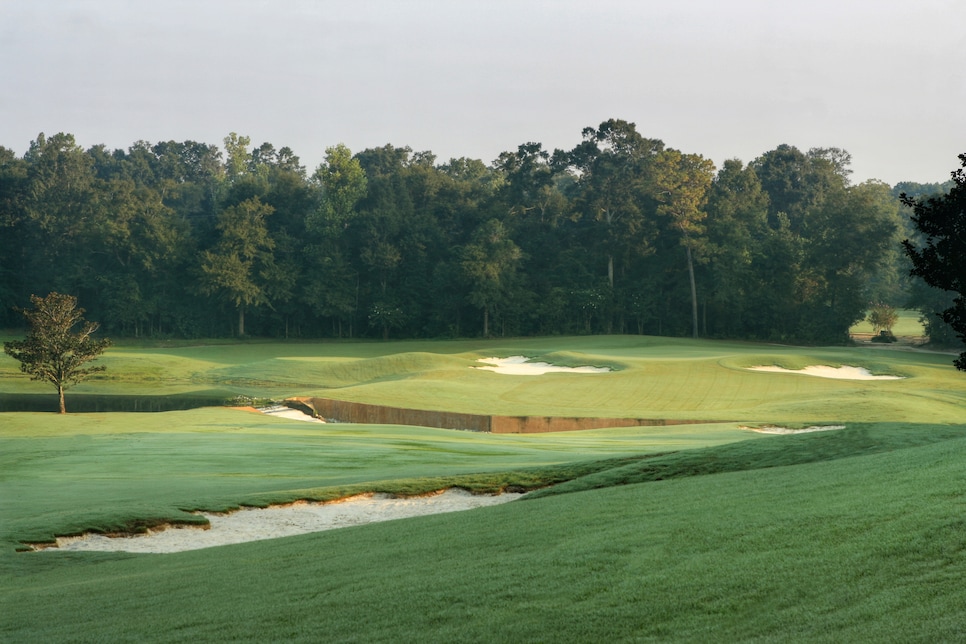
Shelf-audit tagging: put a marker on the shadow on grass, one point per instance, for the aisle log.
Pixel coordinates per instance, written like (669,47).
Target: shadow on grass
(91,403)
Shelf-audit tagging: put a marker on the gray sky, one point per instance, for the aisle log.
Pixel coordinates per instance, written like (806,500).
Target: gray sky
(883,79)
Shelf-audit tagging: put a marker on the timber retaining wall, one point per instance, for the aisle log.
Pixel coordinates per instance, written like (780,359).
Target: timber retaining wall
(344,411)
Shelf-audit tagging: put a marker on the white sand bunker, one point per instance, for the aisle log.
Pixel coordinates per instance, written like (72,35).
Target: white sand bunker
(255,524)
(282,411)
(521,366)
(773,429)
(840,373)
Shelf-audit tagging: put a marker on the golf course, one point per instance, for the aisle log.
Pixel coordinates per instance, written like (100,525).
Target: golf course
(764,506)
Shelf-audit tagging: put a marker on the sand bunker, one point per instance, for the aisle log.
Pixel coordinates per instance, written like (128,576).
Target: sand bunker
(520,366)
(282,411)
(255,524)
(772,429)
(822,371)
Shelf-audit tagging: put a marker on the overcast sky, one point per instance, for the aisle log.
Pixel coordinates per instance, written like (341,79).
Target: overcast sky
(883,79)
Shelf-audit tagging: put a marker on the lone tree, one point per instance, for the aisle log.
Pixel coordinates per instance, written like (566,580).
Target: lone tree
(882,317)
(942,221)
(52,350)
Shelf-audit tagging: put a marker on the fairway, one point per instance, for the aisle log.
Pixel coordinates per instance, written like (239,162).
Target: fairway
(907,326)
(719,500)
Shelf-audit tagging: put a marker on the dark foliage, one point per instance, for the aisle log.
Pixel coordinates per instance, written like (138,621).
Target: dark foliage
(939,261)
(620,234)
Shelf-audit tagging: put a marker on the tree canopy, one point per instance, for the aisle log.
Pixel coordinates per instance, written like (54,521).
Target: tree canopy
(939,259)
(619,234)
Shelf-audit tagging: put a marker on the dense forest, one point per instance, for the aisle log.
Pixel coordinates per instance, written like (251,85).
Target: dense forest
(621,234)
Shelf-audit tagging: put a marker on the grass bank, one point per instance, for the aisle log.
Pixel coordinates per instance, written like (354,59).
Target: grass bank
(107,472)
(862,548)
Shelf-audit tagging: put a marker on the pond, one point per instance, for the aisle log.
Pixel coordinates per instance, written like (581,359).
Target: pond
(81,403)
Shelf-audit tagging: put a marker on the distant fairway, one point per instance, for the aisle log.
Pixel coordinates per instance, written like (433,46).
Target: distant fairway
(695,532)
(653,378)
(907,326)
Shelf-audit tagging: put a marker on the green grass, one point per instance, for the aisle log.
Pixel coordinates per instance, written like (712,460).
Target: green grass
(690,533)
(863,548)
(108,471)
(856,440)
(655,378)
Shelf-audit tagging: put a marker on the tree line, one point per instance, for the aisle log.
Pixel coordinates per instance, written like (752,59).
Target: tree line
(620,234)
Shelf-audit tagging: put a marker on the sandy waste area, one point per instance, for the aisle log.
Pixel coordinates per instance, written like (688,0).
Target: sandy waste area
(521,366)
(840,373)
(255,524)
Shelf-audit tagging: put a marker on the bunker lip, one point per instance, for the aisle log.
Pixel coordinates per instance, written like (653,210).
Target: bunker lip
(256,524)
(845,372)
(147,528)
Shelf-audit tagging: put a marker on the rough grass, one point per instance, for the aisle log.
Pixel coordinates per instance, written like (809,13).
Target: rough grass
(858,439)
(863,548)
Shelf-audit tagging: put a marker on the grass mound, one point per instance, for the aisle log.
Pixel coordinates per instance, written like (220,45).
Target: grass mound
(578,359)
(856,440)
(322,373)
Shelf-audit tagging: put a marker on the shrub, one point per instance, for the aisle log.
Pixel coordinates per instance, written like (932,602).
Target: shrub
(882,317)
(884,336)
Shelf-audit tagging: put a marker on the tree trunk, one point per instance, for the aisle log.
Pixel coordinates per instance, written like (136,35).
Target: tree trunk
(241,321)
(704,316)
(60,393)
(694,295)
(486,321)
(610,270)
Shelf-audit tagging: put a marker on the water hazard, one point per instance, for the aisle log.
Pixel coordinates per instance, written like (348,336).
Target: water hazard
(87,403)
